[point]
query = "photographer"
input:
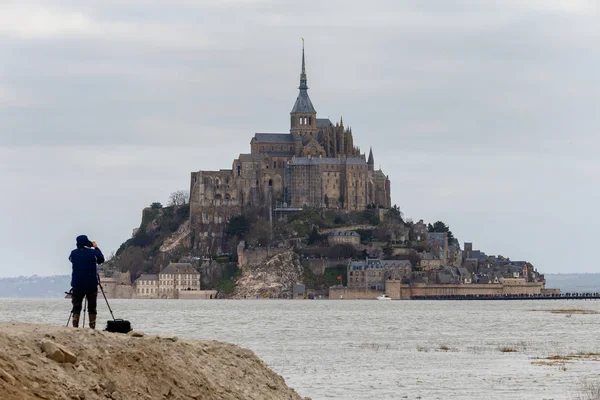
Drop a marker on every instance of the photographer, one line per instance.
(84, 279)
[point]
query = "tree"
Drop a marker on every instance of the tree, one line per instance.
(394, 214)
(439, 226)
(237, 226)
(326, 200)
(156, 205)
(179, 198)
(315, 237)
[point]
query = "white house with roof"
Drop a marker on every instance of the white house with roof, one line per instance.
(146, 286)
(177, 277)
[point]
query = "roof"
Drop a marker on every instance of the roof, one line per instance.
(376, 264)
(178, 268)
(326, 161)
(323, 123)
(251, 157)
(273, 138)
(463, 271)
(303, 103)
(343, 233)
(147, 277)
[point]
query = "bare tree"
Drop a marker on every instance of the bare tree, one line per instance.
(179, 198)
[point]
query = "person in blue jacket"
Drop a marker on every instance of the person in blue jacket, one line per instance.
(84, 279)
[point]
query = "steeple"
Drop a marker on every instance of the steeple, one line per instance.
(303, 83)
(303, 114)
(371, 161)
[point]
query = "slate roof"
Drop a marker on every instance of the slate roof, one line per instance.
(376, 264)
(326, 161)
(343, 233)
(147, 277)
(303, 103)
(251, 157)
(323, 123)
(273, 138)
(178, 268)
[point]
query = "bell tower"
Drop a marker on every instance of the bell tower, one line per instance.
(303, 115)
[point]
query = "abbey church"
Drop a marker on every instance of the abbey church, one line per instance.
(315, 164)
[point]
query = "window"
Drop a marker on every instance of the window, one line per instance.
(270, 182)
(274, 164)
(310, 121)
(239, 169)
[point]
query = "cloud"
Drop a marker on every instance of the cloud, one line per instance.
(35, 21)
(482, 113)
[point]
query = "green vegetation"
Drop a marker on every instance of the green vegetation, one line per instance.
(227, 286)
(439, 226)
(328, 279)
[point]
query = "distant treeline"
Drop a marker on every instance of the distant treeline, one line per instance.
(35, 286)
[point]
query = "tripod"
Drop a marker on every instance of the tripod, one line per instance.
(105, 299)
(85, 304)
(84, 309)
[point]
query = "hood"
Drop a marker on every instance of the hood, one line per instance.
(83, 241)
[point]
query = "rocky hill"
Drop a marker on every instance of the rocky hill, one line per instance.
(47, 362)
(274, 277)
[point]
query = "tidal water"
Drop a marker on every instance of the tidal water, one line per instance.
(379, 350)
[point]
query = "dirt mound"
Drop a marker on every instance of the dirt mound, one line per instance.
(48, 362)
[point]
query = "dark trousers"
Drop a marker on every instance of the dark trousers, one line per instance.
(90, 295)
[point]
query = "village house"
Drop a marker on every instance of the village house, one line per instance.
(372, 273)
(343, 237)
(146, 286)
(177, 277)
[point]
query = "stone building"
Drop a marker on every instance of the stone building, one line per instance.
(315, 164)
(146, 286)
(343, 237)
(371, 274)
(175, 278)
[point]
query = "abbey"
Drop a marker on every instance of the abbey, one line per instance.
(316, 164)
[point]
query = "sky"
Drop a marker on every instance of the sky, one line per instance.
(484, 114)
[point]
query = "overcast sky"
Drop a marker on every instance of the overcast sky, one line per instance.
(483, 113)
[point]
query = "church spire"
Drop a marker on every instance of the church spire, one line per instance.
(371, 161)
(303, 83)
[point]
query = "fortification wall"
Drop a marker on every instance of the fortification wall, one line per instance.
(344, 293)
(318, 265)
(396, 290)
(197, 294)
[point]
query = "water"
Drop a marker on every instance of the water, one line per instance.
(351, 350)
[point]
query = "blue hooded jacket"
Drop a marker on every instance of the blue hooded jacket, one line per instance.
(84, 259)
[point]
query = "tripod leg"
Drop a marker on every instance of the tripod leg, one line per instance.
(105, 299)
(69, 320)
(84, 309)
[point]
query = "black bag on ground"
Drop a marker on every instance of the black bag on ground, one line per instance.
(118, 326)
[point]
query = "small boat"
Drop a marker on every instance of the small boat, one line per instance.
(383, 297)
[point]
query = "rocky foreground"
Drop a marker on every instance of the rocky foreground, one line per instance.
(48, 362)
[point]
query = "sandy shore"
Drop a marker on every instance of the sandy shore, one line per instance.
(50, 362)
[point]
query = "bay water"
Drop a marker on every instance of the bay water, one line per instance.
(351, 350)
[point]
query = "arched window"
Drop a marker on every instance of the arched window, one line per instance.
(270, 182)
(274, 164)
(239, 169)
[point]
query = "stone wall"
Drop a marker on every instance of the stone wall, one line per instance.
(117, 286)
(343, 293)
(396, 290)
(257, 255)
(197, 294)
(319, 265)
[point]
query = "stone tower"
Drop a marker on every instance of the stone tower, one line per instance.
(303, 115)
